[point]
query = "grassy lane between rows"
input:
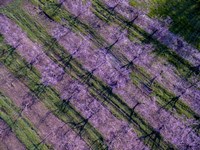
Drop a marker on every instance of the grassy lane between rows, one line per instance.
(28, 75)
(165, 98)
(20, 126)
(138, 74)
(97, 88)
(184, 68)
(163, 95)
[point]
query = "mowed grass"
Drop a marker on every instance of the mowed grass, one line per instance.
(59, 55)
(166, 99)
(21, 126)
(183, 67)
(66, 112)
(159, 91)
(185, 16)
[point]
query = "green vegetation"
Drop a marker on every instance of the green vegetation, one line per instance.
(165, 98)
(20, 125)
(97, 88)
(184, 14)
(184, 68)
(30, 77)
(64, 17)
(50, 97)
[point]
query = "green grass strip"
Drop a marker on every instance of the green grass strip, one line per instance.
(142, 80)
(21, 126)
(183, 67)
(183, 13)
(50, 97)
(97, 88)
(181, 107)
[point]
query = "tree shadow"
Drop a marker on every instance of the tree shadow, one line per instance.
(154, 136)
